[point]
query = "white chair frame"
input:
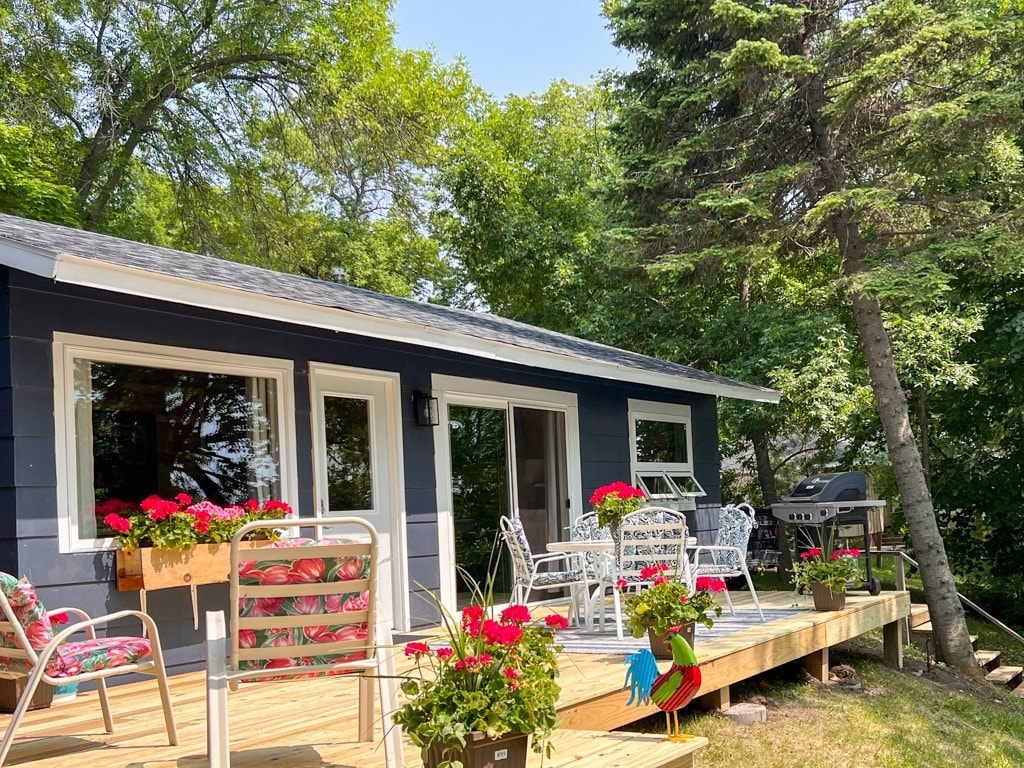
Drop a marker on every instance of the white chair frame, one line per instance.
(728, 559)
(527, 575)
(223, 652)
(39, 660)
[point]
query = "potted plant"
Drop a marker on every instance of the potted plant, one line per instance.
(826, 577)
(614, 501)
(174, 542)
(667, 604)
(490, 687)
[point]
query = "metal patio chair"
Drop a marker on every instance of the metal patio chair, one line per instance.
(650, 536)
(302, 607)
(728, 555)
(527, 572)
(29, 645)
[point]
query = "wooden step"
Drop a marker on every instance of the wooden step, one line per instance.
(1007, 675)
(926, 629)
(988, 659)
(918, 615)
(1018, 691)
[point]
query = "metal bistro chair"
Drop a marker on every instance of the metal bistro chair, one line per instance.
(650, 536)
(528, 576)
(301, 608)
(29, 645)
(728, 555)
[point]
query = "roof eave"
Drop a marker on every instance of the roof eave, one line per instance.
(76, 270)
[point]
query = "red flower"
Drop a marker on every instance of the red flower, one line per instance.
(710, 584)
(417, 649)
(471, 617)
(510, 673)
(184, 499)
(814, 552)
(649, 572)
(516, 614)
(555, 621)
(445, 653)
(617, 489)
(351, 569)
(117, 523)
(58, 618)
(621, 584)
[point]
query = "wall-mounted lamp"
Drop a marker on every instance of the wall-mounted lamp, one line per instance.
(426, 409)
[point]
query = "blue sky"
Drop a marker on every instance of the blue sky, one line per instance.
(513, 46)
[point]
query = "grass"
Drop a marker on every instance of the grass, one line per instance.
(913, 718)
(989, 635)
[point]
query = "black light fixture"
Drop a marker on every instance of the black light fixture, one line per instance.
(426, 409)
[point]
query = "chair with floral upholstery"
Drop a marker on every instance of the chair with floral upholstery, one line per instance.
(29, 645)
(303, 608)
(528, 569)
(728, 555)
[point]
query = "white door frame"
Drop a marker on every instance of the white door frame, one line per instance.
(326, 379)
(493, 394)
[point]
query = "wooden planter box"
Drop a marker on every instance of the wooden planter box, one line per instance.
(12, 686)
(148, 568)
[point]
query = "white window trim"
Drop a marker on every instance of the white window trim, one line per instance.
(464, 391)
(647, 410)
(67, 347)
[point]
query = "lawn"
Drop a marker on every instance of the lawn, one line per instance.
(913, 718)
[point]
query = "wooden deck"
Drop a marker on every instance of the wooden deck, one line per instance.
(312, 723)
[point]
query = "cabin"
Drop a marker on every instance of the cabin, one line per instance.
(129, 369)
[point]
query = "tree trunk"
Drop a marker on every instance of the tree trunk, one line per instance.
(921, 401)
(770, 494)
(944, 608)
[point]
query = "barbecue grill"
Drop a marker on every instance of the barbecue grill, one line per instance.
(835, 500)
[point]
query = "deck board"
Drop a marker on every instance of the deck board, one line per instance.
(312, 723)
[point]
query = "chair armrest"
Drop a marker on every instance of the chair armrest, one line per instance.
(88, 625)
(552, 557)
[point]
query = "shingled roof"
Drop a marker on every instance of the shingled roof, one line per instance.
(85, 258)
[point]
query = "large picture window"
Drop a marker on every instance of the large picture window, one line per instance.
(139, 420)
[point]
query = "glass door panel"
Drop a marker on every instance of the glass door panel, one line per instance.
(478, 439)
(349, 458)
(540, 469)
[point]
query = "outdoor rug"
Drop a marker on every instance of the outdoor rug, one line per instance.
(582, 641)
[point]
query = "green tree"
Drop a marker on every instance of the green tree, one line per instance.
(519, 214)
(878, 132)
(28, 186)
(293, 135)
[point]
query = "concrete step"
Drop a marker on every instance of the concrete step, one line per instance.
(988, 659)
(1007, 675)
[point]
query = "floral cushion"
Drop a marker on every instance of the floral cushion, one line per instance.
(93, 655)
(69, 658)
(32, 616)
(305, 571)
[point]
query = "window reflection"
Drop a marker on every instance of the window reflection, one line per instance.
(143, 430)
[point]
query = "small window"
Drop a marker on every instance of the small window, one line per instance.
(137, 424)
(662, 451)
(661, 442)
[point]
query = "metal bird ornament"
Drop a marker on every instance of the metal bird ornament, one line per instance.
(671, 690)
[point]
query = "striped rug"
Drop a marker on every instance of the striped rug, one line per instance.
(583, 641)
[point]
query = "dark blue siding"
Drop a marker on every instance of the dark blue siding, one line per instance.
(33, 309)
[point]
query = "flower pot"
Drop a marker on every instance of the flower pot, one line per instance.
(151, 568)
(67, 692)
(659, 643)
(827, 600)
(508, 751)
